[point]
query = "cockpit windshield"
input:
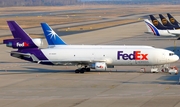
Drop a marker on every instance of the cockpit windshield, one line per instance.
(171, 54)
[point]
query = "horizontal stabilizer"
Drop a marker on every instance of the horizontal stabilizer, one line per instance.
(27, 55)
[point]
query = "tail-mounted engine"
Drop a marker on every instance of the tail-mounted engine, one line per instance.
(18, 43)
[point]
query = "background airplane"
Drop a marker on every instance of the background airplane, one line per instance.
(158, 25)
(51, 40)
(96, 57)
(166, 23)
(173, 20)
(165, 33)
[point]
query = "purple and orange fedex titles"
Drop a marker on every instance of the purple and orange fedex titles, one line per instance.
(136, 55)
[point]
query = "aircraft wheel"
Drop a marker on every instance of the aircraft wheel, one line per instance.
(82, 70)
(77, 71)
(88, 69)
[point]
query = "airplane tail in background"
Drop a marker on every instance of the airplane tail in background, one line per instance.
(164, 21)
(28, 49)
(21, 38)
(172, 19)
(51, 37)
(157, 23)
(151, 28)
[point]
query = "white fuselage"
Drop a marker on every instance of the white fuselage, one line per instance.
(169, 32)
(111, 55)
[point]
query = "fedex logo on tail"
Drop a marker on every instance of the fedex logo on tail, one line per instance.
(24, 44)
(136, 55)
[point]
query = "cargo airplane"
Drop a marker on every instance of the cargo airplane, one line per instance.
(98, 57)
(158, 25)
(173, 20)
(55, 43)
(166, 23)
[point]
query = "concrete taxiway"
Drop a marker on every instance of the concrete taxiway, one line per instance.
(32, 85)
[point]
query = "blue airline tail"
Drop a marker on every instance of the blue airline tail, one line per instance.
(51, 37)
(158, 24)
(165, 22)
(172, 20)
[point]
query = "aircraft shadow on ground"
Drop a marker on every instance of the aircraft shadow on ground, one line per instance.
(46, 70)
(154, 82)
(170, 80)
(166, 79)
(38, 70)
(157, 38)
(13, 62)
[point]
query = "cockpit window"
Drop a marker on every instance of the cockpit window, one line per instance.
(171, 54)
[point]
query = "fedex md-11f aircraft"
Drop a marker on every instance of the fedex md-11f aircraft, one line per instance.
(98, 57)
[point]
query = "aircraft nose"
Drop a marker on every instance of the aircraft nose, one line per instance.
(176, 58)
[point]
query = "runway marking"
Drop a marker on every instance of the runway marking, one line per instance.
(124, 94)
(169, 93)
(147, 94)
(78, 96)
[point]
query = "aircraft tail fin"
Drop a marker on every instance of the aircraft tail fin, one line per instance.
(164, 21)
(151, 28)
(21, 38)
(172, 19)
(51, 37)
(156, 23)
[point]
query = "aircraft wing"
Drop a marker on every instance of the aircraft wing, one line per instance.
(174, 32)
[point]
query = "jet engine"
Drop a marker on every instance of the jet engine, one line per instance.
(99, 66)
(38, 42)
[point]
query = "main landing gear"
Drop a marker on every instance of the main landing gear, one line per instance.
(82, 70)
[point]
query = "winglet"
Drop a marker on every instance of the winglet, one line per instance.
(51, 37)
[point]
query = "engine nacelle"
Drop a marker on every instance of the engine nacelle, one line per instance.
(99, 66)
(18, 43)
(38, 42)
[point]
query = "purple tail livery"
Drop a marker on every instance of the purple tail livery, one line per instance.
(21, 38)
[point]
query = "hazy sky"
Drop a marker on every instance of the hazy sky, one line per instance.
(107, 0)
